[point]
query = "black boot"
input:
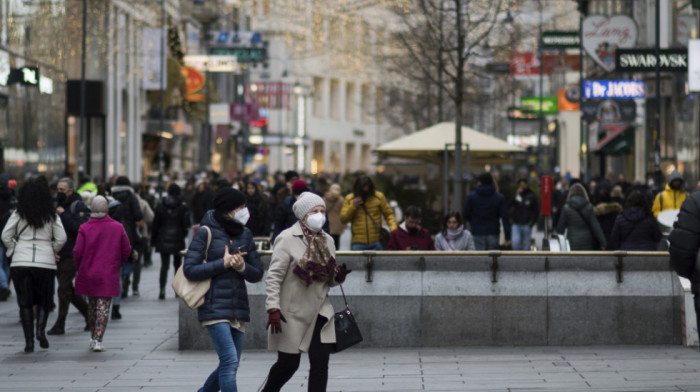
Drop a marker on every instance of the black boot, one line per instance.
(115, 313)
(125, 286)
(58, 327)
(41, 319)
(27, 319)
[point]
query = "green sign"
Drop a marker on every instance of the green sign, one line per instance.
(560, 39)
(549, 104)
(243, 54)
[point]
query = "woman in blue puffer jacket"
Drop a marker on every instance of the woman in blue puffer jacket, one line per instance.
(232, 259)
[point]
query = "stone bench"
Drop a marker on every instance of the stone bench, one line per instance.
(430, 299)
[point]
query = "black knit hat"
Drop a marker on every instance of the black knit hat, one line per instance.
(486, 179)
(174, 190)
(228, 199)
(290, 174)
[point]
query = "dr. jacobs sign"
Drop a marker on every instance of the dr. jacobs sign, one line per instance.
(645, 60)
(614, 89)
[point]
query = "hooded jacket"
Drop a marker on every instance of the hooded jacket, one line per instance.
(259, 222)
(131, 211)
(402, 239)
(607, 213)
(672, 198)
(579, 221)
(684, 240)
(170, 225)
(75, 213)
(484, 210)
(634, 229)
(227, 298)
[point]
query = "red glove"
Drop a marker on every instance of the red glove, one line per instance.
(274, 321)
(341, 272)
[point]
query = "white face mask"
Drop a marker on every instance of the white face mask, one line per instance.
(316, 221)
(241, 216)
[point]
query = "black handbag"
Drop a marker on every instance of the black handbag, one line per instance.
(347, 333)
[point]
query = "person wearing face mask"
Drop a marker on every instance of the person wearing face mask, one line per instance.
(73, 213)
(672, 197)
(300, 316)
(410, 235)
(170, 225)
(232, 260)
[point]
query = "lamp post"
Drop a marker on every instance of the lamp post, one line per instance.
(83, 147)
(161, 143)
(300, 92)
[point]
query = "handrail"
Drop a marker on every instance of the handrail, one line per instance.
(492, 253)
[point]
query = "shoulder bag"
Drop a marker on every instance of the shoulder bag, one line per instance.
(192, 292)
(347, 333)
(384, 234)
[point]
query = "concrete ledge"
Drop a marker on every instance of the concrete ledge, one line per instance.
(414, 299)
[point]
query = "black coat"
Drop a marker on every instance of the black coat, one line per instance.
(284, 216)
(607, 213)
(684, 240)
(259, 222)
(170, 225)
(131, 212)
(525, 208)
(72, 218)
(227, 299)
(634, 229)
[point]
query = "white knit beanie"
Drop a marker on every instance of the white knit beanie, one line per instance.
(305, 203)
(99, 207)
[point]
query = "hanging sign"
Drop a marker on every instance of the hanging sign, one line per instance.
(694, 65)
(601, 89)
(560, 39)
(602, 36)
(644, 60)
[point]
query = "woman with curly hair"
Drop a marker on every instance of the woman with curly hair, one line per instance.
(33, 236)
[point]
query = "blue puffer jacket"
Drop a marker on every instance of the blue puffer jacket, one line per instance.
(484, 209)
(227, 298)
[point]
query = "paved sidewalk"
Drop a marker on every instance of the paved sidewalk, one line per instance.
(142, 355)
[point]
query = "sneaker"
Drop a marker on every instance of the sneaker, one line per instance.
(98, 347)
(136, 293)
(93, 342)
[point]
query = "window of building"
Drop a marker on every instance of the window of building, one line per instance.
(319, 109)
(350, 102)
(335, 99)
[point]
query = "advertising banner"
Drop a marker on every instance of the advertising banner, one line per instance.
(151, 55)
(547, 188)
(603, 35)
(694, 65)
(615, 89)
(549, 104)
(644, 60)
(609, 111)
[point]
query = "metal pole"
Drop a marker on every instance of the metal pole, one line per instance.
(161, 144)
(83, 147)
(541, 92)
(657, 115)
(446, 194)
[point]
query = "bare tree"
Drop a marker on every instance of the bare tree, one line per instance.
(441, 49)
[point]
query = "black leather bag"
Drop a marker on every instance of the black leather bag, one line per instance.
(347, 333)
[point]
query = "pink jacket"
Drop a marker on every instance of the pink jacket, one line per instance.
(101, 248)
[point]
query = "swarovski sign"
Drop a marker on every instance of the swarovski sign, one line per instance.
(645, 60)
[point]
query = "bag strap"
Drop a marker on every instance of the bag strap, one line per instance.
(584, 219)
(344, 299)
(206, 251)
(376, 226)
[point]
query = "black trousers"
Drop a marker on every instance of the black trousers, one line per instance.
(287, 364)
(65, 273)
(34, 286)
(165, 265)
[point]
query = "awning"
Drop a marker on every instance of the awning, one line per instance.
(617, 141)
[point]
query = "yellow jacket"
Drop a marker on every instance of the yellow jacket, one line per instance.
(363, 230)
(672, 199)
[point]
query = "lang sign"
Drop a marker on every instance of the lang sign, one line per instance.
(619, 89)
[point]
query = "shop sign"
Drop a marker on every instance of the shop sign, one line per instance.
(560, 39)
(26, 76)
(603, 35)
(213, 63)
(45, 85)
(549, 104)
(609, 111)
(566, 104)
(694, 65)
(523, 64)
(194, 81)
(522, 114)
(645, 60)
(619, 89)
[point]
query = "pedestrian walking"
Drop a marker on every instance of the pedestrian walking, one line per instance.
(334, 204)
(101, 248)
(606, 211)
(454, 236)
(579, 222)
(672, 197)
(485, 210)
(526, 212)
(170, 225)
(300, 316)
(364, 209)
(259, 222)
(7, 205)
(284, 215)
(231, 260)
(410, 235)
(635, 228)
(131, 214)
(33, 236)
(144, 228)
(73, 213)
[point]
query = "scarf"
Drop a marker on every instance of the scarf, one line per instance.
(232, 228)
(317, 263)
(456, 233)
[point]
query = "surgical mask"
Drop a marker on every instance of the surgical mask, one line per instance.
(316, 221)
(241, 216)
(61, 197)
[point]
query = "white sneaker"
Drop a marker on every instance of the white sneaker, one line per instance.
(98, 347)
(92, 343)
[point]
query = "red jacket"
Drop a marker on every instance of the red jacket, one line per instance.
(401, 239)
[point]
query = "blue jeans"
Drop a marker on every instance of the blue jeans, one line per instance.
(486, 242)
(4, 269)
(373, 246)
(228, 343)
(520, 235)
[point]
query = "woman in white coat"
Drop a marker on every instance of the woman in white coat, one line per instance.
(33, 236)
(302, 270)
